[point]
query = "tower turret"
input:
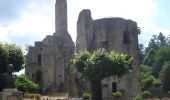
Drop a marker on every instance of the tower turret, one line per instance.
(60, 17)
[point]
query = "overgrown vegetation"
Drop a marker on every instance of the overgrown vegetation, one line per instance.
(87, 96)
(25, 85)
(100, 64)
(154, 64)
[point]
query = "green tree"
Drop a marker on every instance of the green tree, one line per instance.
(155, 43)
(165, 73)
(11, 54)
(161, 56)
(141, 53)
(100, 64)
(25, 85)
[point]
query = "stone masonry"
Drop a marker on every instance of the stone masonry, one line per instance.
(116, 34)
(49, 60)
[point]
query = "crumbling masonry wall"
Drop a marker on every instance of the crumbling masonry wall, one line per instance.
(116, 34)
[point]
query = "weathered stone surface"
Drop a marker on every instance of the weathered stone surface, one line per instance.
(11, 94)
(112, 34)
(49, 60)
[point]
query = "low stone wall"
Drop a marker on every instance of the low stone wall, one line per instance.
(75, 99)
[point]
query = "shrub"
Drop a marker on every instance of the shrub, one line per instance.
(26, 95)
(156, 83)
(37, 96)
(117, 94)
(146, 93)
(32, 96)
(138, 97)
(87, 96)
(147, 81)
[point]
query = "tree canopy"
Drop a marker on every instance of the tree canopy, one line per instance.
(11, 54)
(100, 64)
(161, 56)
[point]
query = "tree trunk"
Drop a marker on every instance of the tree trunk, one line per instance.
(96, 89)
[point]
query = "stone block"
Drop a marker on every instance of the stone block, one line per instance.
(11, 94)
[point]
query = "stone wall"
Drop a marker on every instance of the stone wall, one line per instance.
(116, 34)
(49, 60)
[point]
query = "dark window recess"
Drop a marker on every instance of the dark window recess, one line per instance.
(126, 37)
(39, 60)
(130, 67)
(59, 75)
(114, 87)
(33, 76)
(38, 76)
(105, 85)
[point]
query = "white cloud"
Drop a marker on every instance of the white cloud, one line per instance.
(36, 22)
(37, 19)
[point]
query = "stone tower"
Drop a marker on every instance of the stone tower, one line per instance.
(60, 17)
(49, 60)
(116, 34)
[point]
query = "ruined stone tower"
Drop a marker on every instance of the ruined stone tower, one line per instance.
(49, 60)
(116, 34)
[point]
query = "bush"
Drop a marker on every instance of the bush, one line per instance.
(37, 96)
(156, 83)
(87, 96)
(25, 85)
(147, 81)
(32, 96)
(146, 93)
(138, 97)
(117, 94)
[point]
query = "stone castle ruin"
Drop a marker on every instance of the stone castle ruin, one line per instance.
(116, 34)
(49, 60)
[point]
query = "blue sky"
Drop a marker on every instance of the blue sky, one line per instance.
(25, 21)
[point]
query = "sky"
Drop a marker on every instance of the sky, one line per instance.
(25, 21)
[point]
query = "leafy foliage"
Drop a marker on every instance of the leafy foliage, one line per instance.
(117, 94)
(10, 54)
(155, 43)
(103, 63)
(146, 93)
(165, 73)
(138, 97)
(100, 64)
(25, 85)
(162, 56)
(147, 81)
(87, 96)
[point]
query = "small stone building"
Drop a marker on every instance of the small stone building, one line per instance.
(116, 34)
(48, 60)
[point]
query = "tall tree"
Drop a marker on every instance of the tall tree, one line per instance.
(154, 44)
(141, 53)
(162, 56)
(10, 54)
(100, 64)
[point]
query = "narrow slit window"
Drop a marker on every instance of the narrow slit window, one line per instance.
(39, 60)
(126, 37)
